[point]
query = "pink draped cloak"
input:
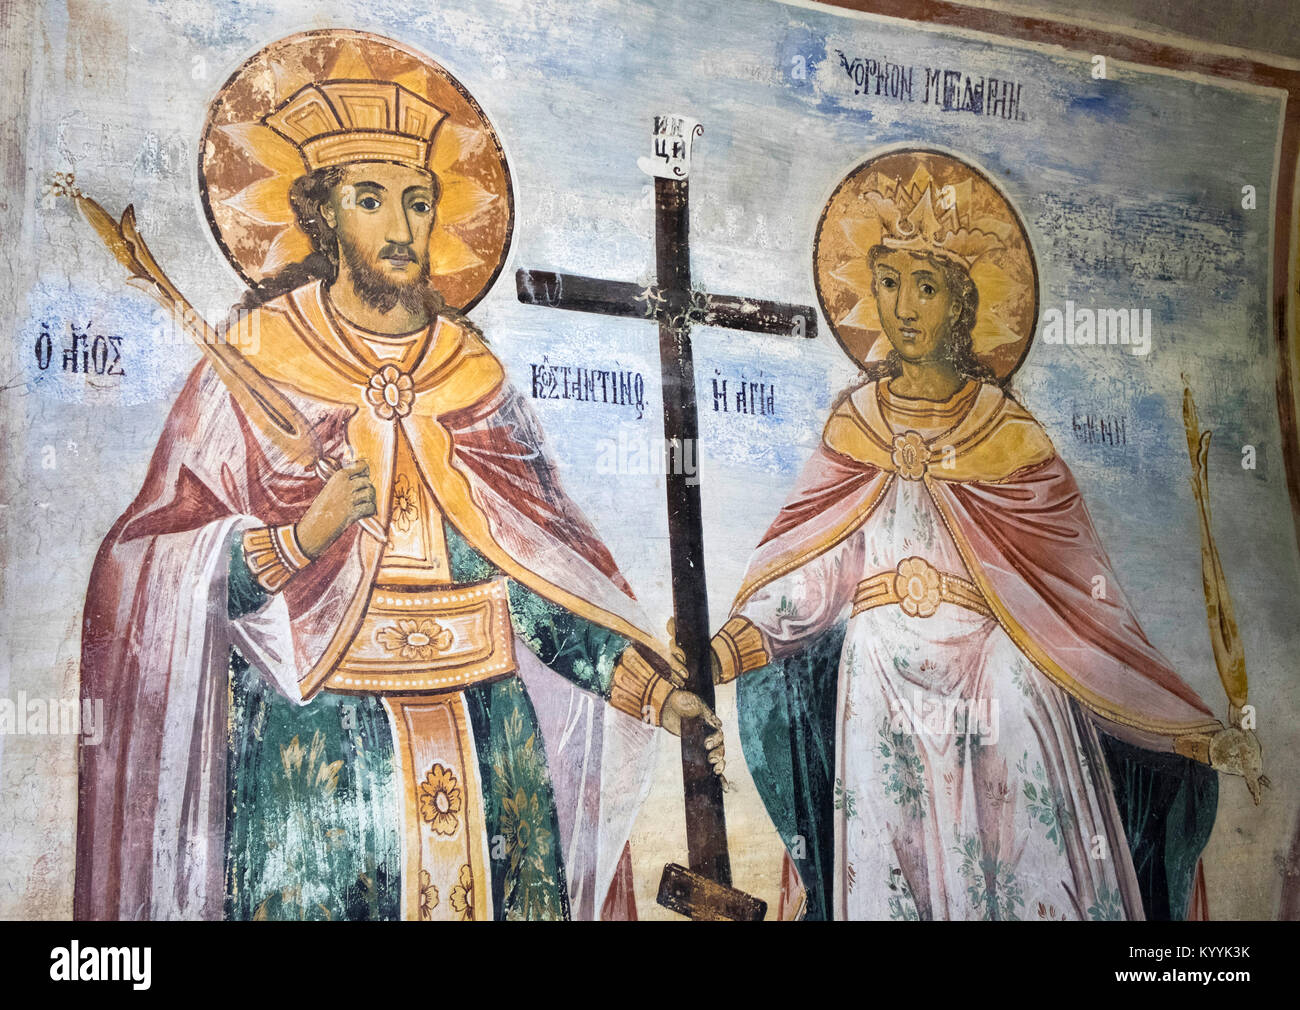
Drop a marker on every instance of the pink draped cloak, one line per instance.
(157, 637)
(1031, 540)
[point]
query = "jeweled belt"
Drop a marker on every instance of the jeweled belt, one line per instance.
(918, 587)
(429, 639)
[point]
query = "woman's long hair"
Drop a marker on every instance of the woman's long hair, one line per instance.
(958, 346)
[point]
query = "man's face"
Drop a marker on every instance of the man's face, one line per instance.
(382, 215)
(915, 305)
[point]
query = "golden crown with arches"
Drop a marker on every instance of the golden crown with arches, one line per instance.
(342, 121)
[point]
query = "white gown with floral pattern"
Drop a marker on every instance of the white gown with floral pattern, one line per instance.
(967, 785)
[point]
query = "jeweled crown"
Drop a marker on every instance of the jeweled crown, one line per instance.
(919, 218)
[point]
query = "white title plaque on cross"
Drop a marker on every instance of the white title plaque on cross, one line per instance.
(670, 142)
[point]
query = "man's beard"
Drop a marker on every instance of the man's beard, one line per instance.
(379, 291)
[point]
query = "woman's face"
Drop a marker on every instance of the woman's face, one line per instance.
(916, 306)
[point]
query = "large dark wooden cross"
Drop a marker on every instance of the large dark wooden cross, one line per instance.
(676, 307)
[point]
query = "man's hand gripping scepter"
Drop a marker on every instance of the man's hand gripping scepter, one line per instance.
(268, 409)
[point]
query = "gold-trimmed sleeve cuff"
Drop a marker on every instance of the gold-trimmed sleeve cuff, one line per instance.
(273, 555)
(638, 689)
(739, 647)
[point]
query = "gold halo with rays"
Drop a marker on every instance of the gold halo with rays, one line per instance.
(246, 168)
(941, 199)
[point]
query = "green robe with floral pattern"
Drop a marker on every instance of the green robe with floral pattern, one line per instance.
(313, 822)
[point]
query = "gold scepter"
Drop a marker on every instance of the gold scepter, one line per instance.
(264, 405)
(1225, 640)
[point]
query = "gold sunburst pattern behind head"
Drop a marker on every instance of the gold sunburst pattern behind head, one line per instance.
(336, 96)
(932, 204)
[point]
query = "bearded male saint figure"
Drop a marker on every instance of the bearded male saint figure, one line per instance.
(307, 722)
(947, 719)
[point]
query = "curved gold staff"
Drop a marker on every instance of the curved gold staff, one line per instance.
(1225, 640)
(269, 409)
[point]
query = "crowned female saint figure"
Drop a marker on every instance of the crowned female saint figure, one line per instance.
(946, 700)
